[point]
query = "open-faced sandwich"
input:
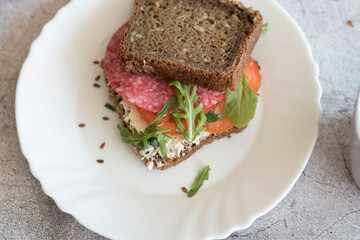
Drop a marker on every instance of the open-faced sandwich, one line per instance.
(180, 76)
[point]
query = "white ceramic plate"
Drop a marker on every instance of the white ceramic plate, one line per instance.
(121, 199)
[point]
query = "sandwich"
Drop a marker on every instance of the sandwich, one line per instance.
(180, 75)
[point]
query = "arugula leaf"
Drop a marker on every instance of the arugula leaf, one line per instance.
(264, 28)
(166, 109)
(240, 106)
(212, 117)
(162, 142)
(151, 135)
(140, 139)
(202, 175)
(186, 98)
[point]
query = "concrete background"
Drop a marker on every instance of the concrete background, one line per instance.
(324, 203)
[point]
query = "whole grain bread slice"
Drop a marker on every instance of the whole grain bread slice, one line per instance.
(170, 162)
(201, 42)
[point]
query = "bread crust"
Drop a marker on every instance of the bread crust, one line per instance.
(170, 162)
(173, 162)
(219, 81)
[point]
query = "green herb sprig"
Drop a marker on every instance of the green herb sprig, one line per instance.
(152, 135)
(202, 175)
(110, 107)
(240, 105)
(184, 108)
(264, 29)
(212, 117)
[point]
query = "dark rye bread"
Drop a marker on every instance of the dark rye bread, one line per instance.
(201, 42)
(170, 162)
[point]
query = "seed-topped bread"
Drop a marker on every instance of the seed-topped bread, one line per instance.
(201, 42)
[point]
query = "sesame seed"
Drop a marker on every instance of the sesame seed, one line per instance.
(199, 28)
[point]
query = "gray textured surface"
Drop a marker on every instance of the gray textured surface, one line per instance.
(324, 203)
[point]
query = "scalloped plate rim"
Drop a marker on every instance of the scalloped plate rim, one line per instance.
(251, 218)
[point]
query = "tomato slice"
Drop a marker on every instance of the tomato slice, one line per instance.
(206, 110)
(168, 121)
(170, 124)
(223, 124)
(253, 77)
(252, 74)
(146, 115)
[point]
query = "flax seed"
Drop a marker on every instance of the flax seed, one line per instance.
(351, 24)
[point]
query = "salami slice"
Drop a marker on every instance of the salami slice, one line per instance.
(148, 93)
